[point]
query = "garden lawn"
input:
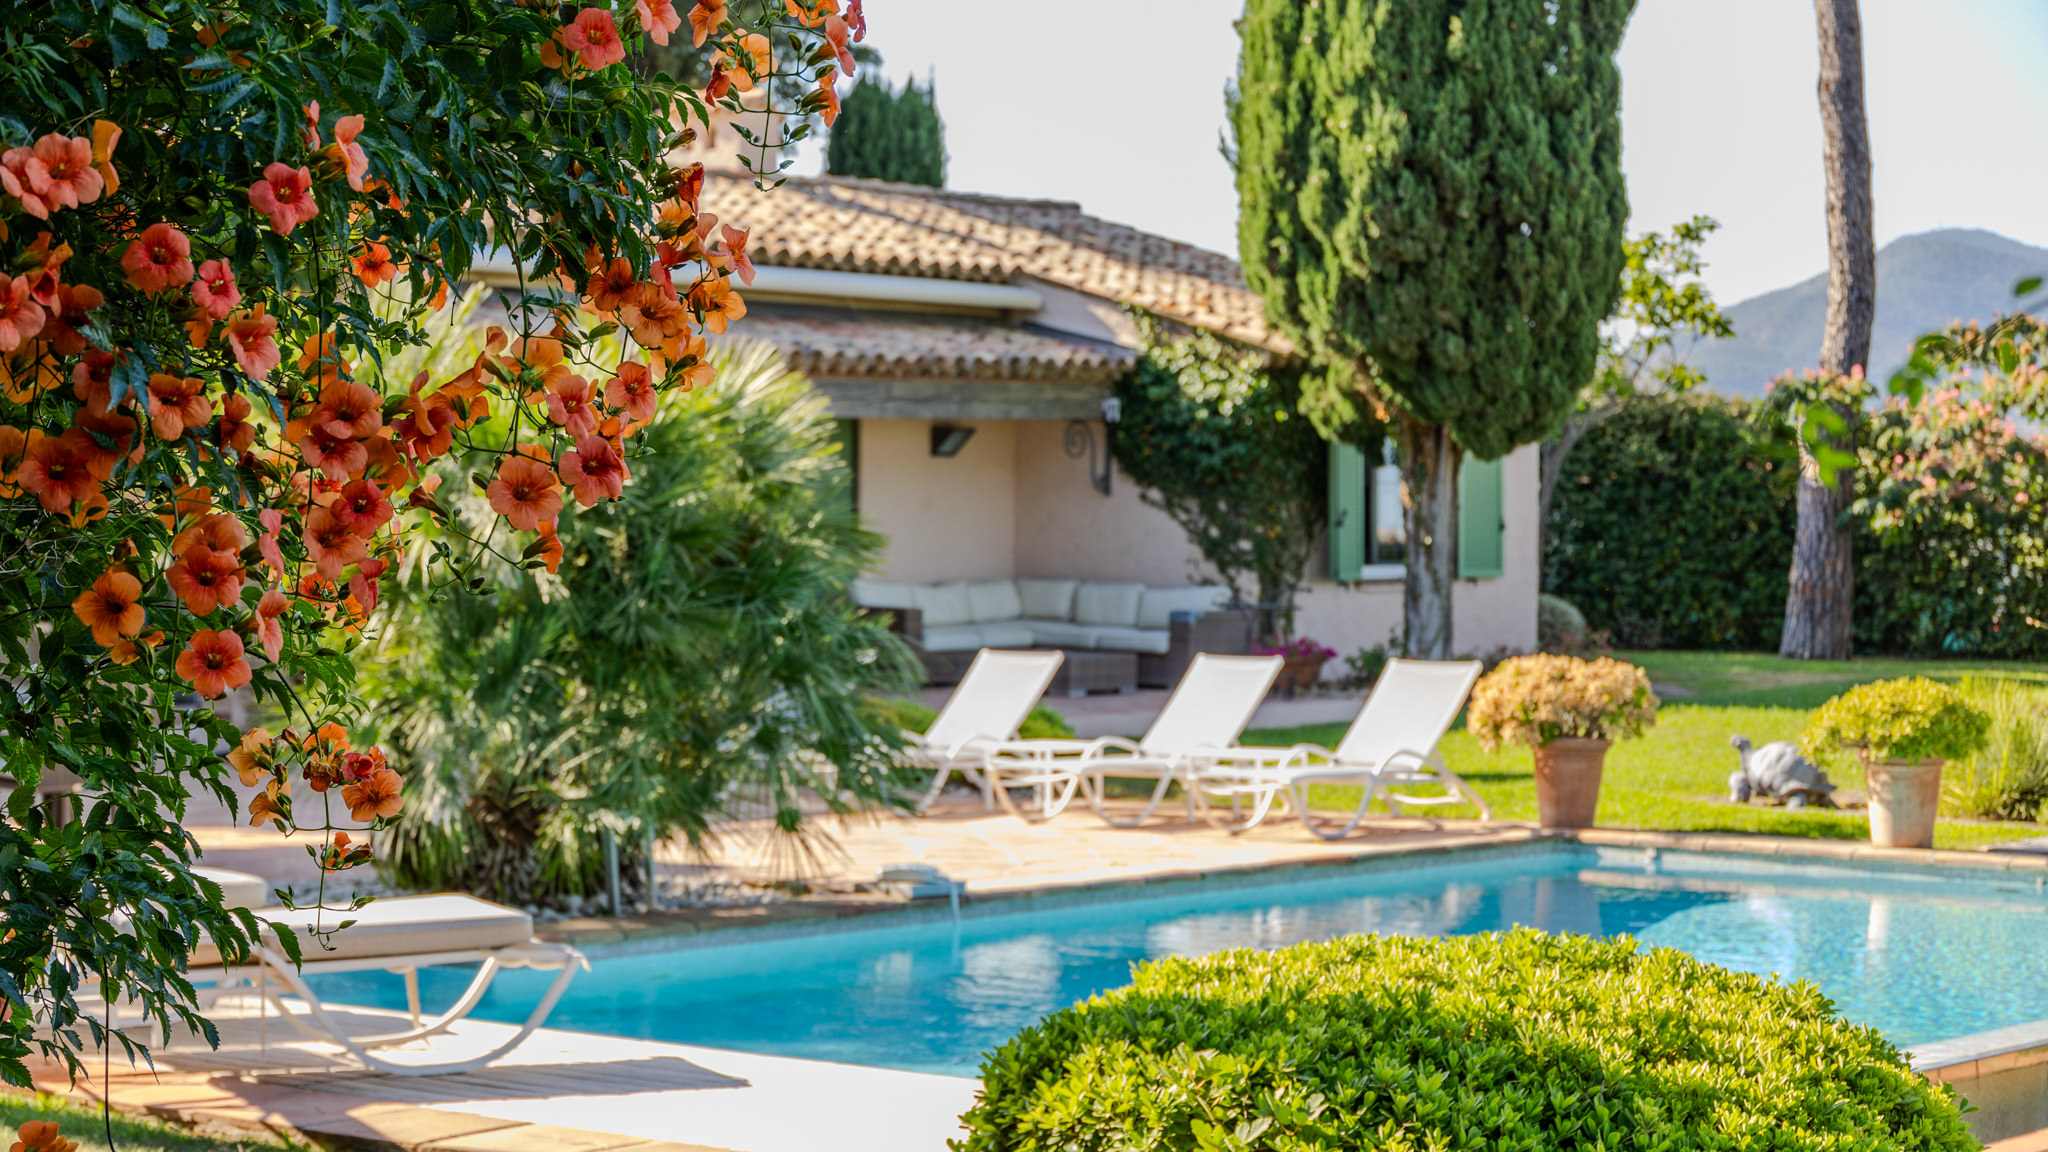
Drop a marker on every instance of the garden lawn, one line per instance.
(1675, 778)
(131, 1134)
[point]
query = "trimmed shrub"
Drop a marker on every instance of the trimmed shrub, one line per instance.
(1517, 1040)
(1558, 622)
(1672, 526)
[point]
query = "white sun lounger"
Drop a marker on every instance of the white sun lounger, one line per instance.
(1203, 718)
(399, 934)
(986, 708)
(1392, 742)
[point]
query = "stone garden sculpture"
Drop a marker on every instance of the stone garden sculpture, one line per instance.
(1778, 773)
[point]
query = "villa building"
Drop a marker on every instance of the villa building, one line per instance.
(970, 343)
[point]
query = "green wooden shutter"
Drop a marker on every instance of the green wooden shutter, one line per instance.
(1348, 520)
(1480, 526)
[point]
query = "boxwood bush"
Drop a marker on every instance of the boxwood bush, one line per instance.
(1515, 1040)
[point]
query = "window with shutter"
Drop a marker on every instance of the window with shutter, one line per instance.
(1481, 549)
(1348, 520)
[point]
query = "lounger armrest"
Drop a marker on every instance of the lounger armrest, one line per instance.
(1261, 759)
(1039, 749)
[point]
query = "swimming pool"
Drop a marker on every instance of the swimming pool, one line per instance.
(1921, 954)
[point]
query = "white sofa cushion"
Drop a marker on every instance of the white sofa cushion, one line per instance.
(1007, 634)
(952, 638)
(994, 600)
(1047, 599)
(1061, 634)
(237, 889)
(1109, 605)
(1154, 640)
(945, 605)
(875, 594)
(1157, 606)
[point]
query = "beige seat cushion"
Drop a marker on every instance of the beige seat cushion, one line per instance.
(398, 926)
(1154, 640)
(237, 889)
(1047, 599)
(994, 601)
(874, 594)
(1108, 605)
(945, 605)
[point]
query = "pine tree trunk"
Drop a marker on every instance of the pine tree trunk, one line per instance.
(1817, 608)
(1429, 470)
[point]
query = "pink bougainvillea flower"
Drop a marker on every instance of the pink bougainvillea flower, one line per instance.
(205, 579)
(658, 18)
(160, 260)
(15, 181)
(373, 265)
(526, 492)
(61, 324)
(213, 662)
(270, 629)
(362, 506)
(594, 37)
(61, 172)
(570, 404)
(252, 337)
(285, 194)
(214, 289)
(112, 607)
(705, 18)
(177, 405)
(105, 135)
(347, 155)
(736, 252)
(374, 798)
(595, 470)
(331, 545)
(632, 391)
(20, 316)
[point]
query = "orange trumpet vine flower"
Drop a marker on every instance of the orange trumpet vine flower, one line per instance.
(111, 607)
(213, 663)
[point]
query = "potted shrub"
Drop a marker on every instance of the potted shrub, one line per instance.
(1903, 731)
(1302, 661)
(1570, 711)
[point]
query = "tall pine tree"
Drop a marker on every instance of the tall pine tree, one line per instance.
(884, 134)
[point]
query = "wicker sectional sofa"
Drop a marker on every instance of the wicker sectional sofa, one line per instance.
(948, 623)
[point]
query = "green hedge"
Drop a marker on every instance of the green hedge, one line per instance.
(1672, 525)
(1502, 1041)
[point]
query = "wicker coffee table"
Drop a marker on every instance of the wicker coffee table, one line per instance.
(1084, 672)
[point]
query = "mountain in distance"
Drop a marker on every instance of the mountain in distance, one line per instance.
(1925, 281)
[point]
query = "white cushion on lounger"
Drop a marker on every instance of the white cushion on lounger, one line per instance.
(1157, 606)
(1155, 640)
(1047, 599)
(994, 600)
(1109, 605)
(398, 926)
(1061, 634)
(954, 638)
(945, 604)
(874, 594)
(237, 889)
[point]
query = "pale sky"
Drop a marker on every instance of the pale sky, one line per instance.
(1123, 112)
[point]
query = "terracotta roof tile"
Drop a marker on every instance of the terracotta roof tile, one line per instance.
(874, 226)
(832, 346)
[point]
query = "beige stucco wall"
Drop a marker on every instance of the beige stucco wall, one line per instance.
(1013, 503)
(947, 518)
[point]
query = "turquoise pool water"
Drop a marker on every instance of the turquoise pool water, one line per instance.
(1922, 956)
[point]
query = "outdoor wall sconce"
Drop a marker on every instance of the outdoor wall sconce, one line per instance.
(949, 439)
(1080, 442)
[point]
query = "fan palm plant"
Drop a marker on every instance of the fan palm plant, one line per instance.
(694, 658)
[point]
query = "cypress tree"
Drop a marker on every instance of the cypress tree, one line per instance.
(888, 135)
(1431, 200)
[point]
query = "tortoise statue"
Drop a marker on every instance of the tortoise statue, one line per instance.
(1778, 773)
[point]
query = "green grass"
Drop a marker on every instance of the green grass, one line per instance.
(131, 1134)
(1675, 778)
(1753, 678)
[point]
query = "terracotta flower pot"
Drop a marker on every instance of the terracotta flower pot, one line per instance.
(1568, 781)
(1904, 798)
(1299, 672)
